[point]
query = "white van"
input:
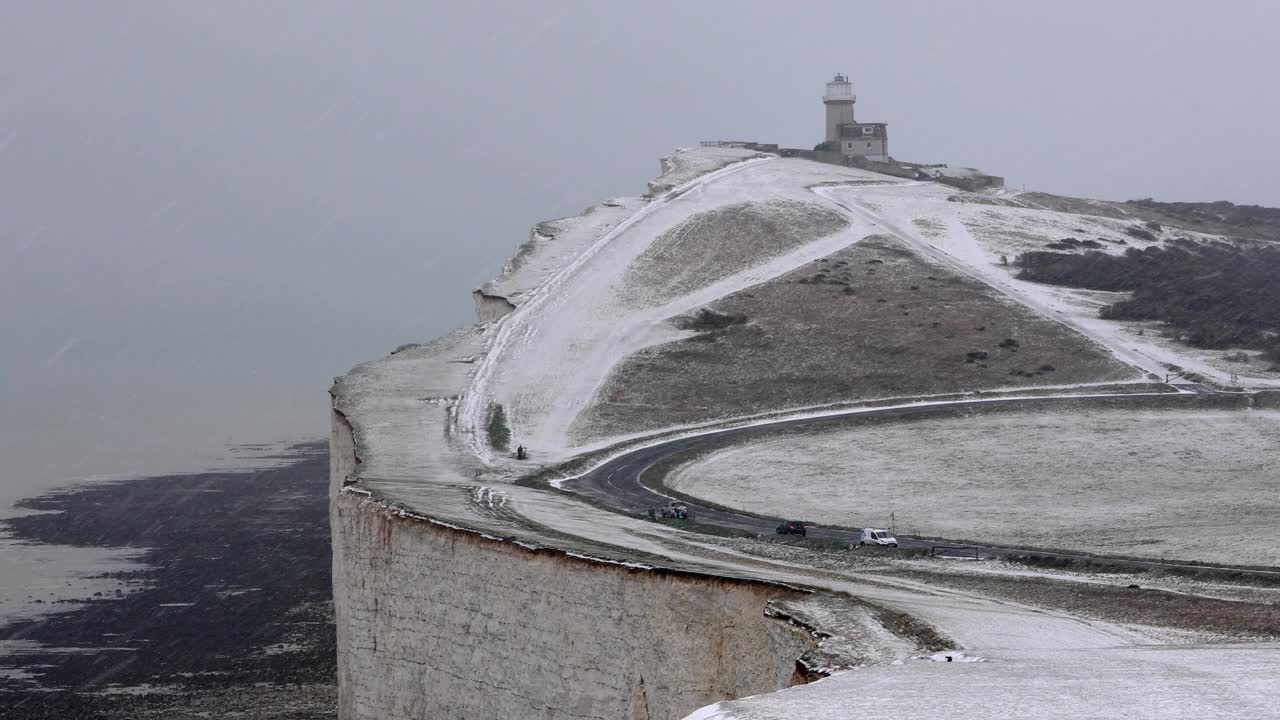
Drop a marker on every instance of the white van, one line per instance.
(877, 536)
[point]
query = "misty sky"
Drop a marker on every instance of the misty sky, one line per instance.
(209, 209)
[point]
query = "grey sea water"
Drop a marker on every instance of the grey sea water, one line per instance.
(207, 211)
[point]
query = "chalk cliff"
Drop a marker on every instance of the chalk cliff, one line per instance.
(441, 622)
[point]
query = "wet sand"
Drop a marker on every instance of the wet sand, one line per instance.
(229, 612)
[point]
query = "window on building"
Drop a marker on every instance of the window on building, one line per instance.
(868, 146)
(868, 131)
(850, 146)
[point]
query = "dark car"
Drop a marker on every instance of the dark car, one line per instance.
(791, 527)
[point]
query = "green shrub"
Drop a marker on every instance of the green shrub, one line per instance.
(499, 432)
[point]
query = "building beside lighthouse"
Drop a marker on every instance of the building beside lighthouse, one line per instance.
(844, 133)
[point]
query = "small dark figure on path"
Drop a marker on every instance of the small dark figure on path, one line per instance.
(520, 453)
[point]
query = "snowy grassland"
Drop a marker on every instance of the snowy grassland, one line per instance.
(400, 409)
(546, 360)
(554, 244)
(1166, 682)
(974, 237)
(719, 243)
(687, 164)
(595, 293)
(875, 320)
(1187, 485)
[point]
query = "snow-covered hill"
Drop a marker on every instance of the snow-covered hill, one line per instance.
(590, 293)
(746, 288)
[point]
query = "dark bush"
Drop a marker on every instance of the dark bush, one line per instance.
(1141, 233)
(1212, 295)
(978, 355)
(709, 320)
(499, 431)
(1261, 219)
(1009, 343)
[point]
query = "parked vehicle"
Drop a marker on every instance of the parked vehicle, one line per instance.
(792, 527)
(877, 536)
(676, 510)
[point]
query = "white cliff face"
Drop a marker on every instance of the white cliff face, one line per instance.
(438, 622)
(490, 307)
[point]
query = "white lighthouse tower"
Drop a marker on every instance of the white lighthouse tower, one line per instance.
(839, 100)
(851, 138)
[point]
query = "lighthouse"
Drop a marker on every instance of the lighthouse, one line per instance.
(839, 100)
(854, 139)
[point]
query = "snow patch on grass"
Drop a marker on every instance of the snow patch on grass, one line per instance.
(1186, 485)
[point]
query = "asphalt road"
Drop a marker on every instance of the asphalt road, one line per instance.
(616, 484)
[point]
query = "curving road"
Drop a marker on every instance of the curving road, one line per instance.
(616, 483)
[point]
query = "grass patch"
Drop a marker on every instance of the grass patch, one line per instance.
(712, 245)
(709, 320)
(1132, 604)
(499, 431)
(911, 628)
(808, 543)
(828, 333)
(1117, 566)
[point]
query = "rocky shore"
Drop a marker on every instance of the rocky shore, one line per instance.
(229, 614)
